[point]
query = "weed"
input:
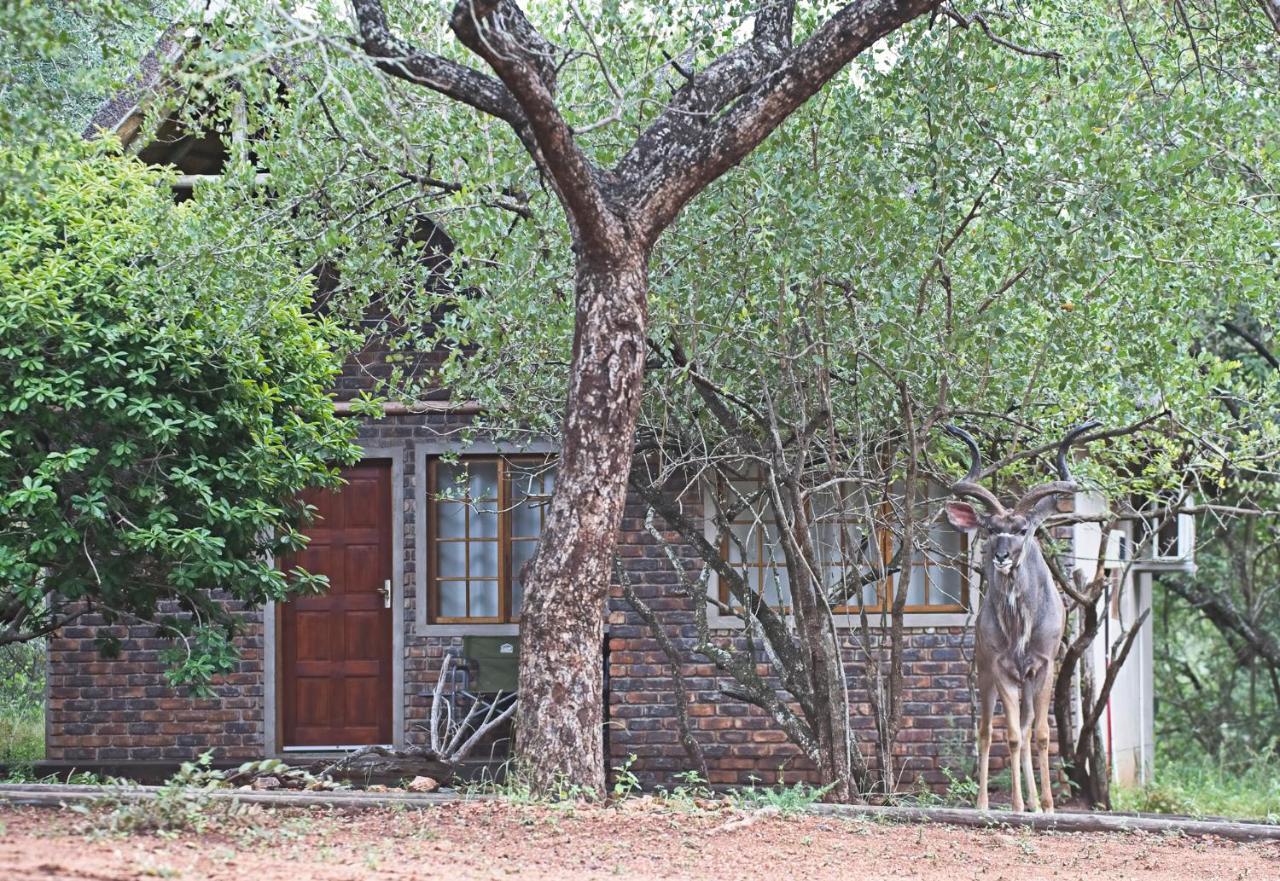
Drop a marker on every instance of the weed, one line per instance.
(785, 799)
(625, 782)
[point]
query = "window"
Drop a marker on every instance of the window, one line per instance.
(754, 547)
(485, 516)
(938, 582)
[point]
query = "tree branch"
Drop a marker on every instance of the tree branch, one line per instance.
(692, 143)
(499, 32)
(401, 59)
(980, 20)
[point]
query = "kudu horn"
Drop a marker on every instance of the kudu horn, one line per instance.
(968, 485)
(1065, 482)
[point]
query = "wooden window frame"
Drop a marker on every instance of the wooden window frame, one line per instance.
(505, 506)
(887, 586)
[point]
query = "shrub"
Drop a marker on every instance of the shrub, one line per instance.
(161, 408)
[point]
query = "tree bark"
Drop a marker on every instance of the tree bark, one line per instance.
(560, 719)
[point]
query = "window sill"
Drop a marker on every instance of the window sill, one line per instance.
(421, 629)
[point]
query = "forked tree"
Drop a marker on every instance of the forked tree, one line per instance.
(615, 215)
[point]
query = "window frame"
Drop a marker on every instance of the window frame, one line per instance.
(505, 577)
(887, 586)
(884, 587)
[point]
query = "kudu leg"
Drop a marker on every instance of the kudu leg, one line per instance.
(1030, 694)
(1042, 742)
(987, 698)
(1011, 697)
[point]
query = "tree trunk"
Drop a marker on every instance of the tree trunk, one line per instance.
(559, 734)
(820, 645)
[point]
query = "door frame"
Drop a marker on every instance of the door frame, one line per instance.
(272, 668)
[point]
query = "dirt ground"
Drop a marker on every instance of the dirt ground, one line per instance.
(492, 840)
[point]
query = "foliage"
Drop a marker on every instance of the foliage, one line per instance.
(22, 682)
(182, 804)
(1214, 694)
(1242, 786)
(161, 411)
(786, 799)
(59, 61)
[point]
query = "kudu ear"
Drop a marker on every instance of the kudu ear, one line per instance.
(962, 516)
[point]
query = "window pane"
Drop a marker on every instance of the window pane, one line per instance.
(484, 480)
(451, 559)
(484, 559)
(451, 480)
(777, 587)
(453, 599)
(484, 599)
(871, 595)
(948, 542)
(526, 518)
(521, 553)
(916, 594)
(947, 584)
(484, 520)
(451, 519)
(745, 544)
(517, 598)
(532, 480)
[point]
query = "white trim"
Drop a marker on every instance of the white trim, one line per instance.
(270, 692)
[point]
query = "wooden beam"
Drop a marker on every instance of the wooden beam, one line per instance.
(189, 181)
(398, 408)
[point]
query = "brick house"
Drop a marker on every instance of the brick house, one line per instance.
(415, 573)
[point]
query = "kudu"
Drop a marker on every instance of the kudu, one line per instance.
(1020, 621)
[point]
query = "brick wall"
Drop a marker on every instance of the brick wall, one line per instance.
(107, 710)
(104, 710)
(740, 743)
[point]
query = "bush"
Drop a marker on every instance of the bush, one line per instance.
(162, 407)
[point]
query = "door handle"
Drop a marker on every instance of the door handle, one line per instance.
(385, 590)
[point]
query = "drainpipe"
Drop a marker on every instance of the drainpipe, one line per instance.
(1106, 668)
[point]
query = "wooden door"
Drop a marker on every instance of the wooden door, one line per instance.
(335, 650)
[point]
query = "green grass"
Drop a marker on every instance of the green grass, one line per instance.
(22, 705)
(21, 738)
(1208, 787)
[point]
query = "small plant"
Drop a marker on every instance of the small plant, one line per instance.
(625, 782)
(961, 789)
(785, 799)
(689, 791)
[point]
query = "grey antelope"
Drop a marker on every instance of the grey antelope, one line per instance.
(1020, 622)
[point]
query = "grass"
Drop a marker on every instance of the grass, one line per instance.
(1207, 787)
(22, 705)
(21, 737)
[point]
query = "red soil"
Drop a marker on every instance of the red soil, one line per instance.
(645, 839)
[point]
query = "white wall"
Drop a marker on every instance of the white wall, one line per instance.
(1128, 724)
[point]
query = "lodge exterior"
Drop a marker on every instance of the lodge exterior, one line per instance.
(412, 582)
